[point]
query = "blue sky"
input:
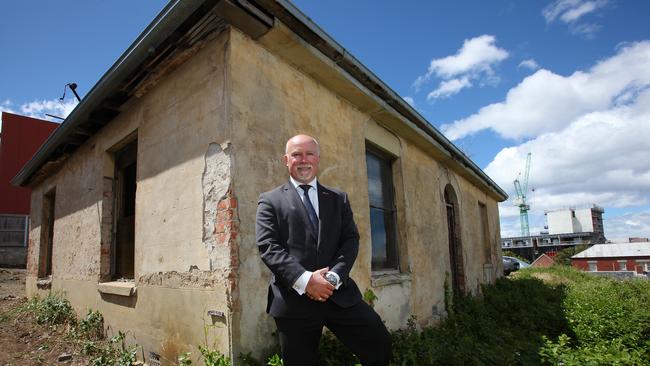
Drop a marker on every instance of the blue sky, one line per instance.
(567, 80)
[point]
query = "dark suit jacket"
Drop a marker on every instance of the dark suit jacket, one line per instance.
(289, 246)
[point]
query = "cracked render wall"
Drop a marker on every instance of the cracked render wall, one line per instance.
(210, 139)
(275, 101)
(185, 221)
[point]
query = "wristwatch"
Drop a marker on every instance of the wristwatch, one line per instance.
(331, 278)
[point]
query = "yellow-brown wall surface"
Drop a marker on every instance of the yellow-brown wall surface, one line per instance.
(211, 136)
(274, 99)
(181, 127)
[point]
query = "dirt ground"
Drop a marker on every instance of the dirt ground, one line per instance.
(22, 341)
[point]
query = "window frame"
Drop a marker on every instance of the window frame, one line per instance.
(124, 206)
(24, 230)
(592, 266)
(391, 262)
(485, 232)
(48, 220)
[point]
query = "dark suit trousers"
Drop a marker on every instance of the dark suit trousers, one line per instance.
(358, 327)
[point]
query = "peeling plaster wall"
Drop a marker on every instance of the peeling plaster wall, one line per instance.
(181, 270)
(216, 184)
(210, 139)
(272, 101)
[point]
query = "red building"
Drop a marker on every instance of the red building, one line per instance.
(20, 138)
(614, 258)
(543, 261)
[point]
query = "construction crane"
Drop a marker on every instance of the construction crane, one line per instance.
(520, 200)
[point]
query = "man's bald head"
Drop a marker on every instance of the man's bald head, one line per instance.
(300, 139)
(302, 155)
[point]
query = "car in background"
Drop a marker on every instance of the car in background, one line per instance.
(522, 264)
(510, 265)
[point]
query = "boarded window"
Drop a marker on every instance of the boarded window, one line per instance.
(125, 191)
(381, 195)
(13, 230)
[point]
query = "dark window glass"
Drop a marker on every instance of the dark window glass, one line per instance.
(382, 210)
(13, 231)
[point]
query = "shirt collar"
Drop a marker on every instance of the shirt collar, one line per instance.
(297, 184)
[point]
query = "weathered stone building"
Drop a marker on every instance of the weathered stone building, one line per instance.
(144, 199)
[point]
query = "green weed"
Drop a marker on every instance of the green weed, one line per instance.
(184, 359)
(275, 360)
(52, 310)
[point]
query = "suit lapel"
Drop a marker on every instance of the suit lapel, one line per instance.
(325, 208)
(295, 201)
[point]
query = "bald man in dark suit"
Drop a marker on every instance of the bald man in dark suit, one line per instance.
(307, 237)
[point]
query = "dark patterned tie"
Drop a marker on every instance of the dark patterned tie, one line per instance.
(313, 218)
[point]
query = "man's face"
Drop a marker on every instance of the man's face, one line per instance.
(302, 158)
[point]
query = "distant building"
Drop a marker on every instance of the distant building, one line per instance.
(638, 240)
(543, 261)
(566, 228)
(614, 257)
(20, 138)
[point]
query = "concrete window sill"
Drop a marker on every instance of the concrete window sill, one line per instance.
(44, 283)
(385, 278)
(117, 288)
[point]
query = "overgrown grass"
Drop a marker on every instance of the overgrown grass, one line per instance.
(556, 316)
(609, 321)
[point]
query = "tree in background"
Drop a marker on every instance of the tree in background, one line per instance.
(563, 257)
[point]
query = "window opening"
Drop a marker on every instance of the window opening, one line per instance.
(455, 246)
(47, 234)
(124, 211)
(383, 227)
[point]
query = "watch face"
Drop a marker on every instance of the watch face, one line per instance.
(331, 279)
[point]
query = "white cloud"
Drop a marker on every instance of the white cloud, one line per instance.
(7, 106)
(571, 12)
(39, 108)
(475, 60)
(628, 225)
(410, 101)
(449, 87)
(586, 30)
(529, 64)
(600, 157)
(588, 135)
(546, 102)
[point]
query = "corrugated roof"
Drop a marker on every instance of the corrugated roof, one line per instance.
(616, 250)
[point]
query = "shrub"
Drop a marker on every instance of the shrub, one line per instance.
(113, 353)
(212, 357)
(609, 321)
(331, 352)
(92, 326)
(52, 310)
